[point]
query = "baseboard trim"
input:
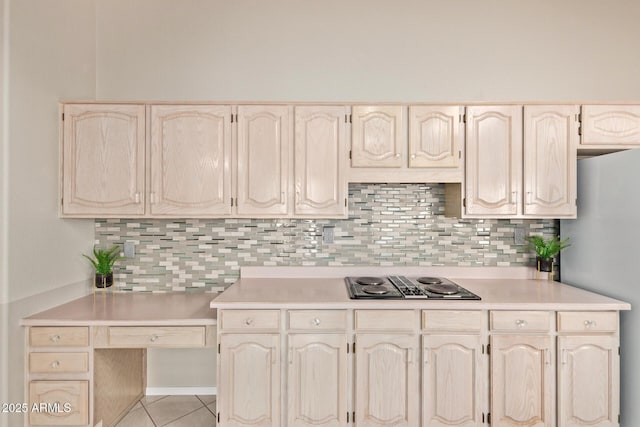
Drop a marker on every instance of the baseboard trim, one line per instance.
(180, 391)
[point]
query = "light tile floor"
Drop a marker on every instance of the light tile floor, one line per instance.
(172, 411)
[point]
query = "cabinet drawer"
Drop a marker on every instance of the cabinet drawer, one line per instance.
(250, 319)
(587, 321)
(318, 319)
(156, 336)
(57, 394)
(539, 321)
(45, 336)
(448, 320)
(385, 319)
(64, 363)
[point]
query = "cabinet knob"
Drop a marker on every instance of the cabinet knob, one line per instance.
(397, 155)
(589, 324)
(521, 323)
(54, 338)
(316, 321)
(248, 321)
(55, 364)
(154, 338)
(413, 156)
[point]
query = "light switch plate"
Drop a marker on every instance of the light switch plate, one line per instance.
(327, 234)
(129, 249)
(519, 236)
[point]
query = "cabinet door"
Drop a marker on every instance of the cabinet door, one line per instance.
(434, 137)
(452, 381)
(263, 159)
(190, 160)
(588, 381)
(494, 160)
(68, 403)
(103, 160)
(320, 154)
(387, 390)
(249, 380)
(550, 159)
(610, 125)
(522, 381)
(378, 136)
(317, 380)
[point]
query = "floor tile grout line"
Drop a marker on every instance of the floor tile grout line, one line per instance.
(149, 415)
(189, 413)
(155, 401)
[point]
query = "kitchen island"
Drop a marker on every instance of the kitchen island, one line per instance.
(297, 351)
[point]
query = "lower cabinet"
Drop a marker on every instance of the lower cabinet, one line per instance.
(452, 379)
(250, 380)
(386, 384)
(59, 403)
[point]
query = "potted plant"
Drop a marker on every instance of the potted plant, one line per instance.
(546, 250)
(102, 261)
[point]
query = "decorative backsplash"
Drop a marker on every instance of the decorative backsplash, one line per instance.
(388, 225)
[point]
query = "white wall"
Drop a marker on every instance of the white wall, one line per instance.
(367, 50)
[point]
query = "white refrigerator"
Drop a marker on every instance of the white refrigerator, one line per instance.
(605, 254)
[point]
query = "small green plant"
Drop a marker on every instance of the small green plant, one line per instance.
(547, 248)
(103, 259)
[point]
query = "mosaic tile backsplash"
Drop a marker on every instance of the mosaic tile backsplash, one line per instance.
(388, 225)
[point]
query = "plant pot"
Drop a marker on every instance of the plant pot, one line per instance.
(103, 280)
(545, 264)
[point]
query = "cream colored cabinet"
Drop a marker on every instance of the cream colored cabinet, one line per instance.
(317, 380)
(522, 380)
(190, 160)
(249, 380)
(435, 138)
(264, 148)
(320, 162)
(378, 136)
(610, 126)
(386, 380)
(103, 164)
(508, 176)
(550, 160)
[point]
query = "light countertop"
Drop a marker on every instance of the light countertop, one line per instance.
(130, 309)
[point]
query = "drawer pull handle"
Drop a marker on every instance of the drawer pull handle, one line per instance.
(316, 321)
(413, 156)
(248, 321)
(55, 364)
(521, 323)
(154, 338)
(55, 338)
(589, 324)
(397, 155)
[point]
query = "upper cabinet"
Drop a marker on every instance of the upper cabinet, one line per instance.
(378, 136)
(510, 176)
(610, 126)
(264, 147)
(190, 160)
(103, 164)
(320, 154)
(434, 137)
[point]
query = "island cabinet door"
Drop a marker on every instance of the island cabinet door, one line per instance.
(588, 381)
(317, 380)
(249, 380)
(387, 389)
(451, 381)
(522, 381)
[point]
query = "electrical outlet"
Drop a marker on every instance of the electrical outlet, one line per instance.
(327, 234)
(129, 249)
(519, 236)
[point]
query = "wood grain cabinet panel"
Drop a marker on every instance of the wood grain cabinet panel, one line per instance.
(250, 381)
(520, 321)
(386, 380)
(550, 160)
(53, 395)
(588, 381)
(156, 336)
(190, 160)
(522, 381)
(317, 380)
(610, 125)
(264, 146)
(249, 319)
(378, 136)
(59, 336)
(58, 363)
(434, 137)
(450, 320)
(587, 321)
(320, 161)
(321, 320)
(103, 160)
(452, 381)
